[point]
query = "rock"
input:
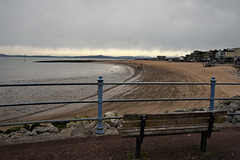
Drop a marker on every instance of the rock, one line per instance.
(237, 117)
(83, 123)
(90, 125)
(52, 129)
(23, 131)
(232, 106)
(111, 114)
(197, 109)
(47, 133)
(180, 110)
(227, 102)
(80, 124)
(112, 122)
(76, 129)
(107, 126)
(73, 125)
(191, 110)
(17, 135)
(40, 130)
(81, 132)
(67, 132)
(33, 133)
(49, 129)
(27, 133)
(34, 126)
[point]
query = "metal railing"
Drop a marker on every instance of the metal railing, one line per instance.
(100, 101)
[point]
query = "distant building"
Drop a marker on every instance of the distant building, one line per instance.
(161, 58)
(220, 56)
(225, 55)
(232, 53)
(201, 56)
(196, 56)
(187, 58)
(181, 58)
(172, 59)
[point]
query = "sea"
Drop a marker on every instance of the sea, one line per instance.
(25, 69)
(20, 70)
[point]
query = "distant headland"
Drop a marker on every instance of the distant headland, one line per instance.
(85, 57)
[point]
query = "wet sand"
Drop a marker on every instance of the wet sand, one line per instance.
(11, 95)
(152, 71)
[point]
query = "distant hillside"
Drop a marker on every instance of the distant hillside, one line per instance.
(86, 57)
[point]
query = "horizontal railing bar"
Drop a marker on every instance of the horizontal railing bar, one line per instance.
(62, 120)
(226, 83)
(227, 98)
(44, 84)
(116, 83)
(162, 99)
(43, 103)
(232, 114)
(48, 121)
(123, 100)
(156, 83)
(120, 100)
(112, 118)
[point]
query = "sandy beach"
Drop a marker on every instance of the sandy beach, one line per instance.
(155, 71)
(152, 71)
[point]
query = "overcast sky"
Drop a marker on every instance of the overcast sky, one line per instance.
(118, 27)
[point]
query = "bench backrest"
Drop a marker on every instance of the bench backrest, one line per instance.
(166, 120)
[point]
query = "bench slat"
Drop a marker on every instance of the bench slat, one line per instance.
(172, 122)
(164, 131)
(172, 115)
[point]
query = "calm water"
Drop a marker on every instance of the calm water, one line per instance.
(17, 69)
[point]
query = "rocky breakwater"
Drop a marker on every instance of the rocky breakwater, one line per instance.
(58, 130)
(231, 106)
(77, 129)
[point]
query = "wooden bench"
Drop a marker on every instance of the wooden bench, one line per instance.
(140, 125)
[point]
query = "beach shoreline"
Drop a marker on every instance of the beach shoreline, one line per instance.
(41, 94)
(153, 71)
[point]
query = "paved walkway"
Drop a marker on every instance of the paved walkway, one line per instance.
(222, 145)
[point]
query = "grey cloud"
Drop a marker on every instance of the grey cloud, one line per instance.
(134, 24)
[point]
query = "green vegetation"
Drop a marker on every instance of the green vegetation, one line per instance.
(131, 155)
(63, 125)
(13, 129)
(33, 126)
(60, 125)
(209, 153)
(80, 116)
(26, 126)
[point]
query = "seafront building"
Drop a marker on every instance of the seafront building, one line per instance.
(225, 55)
